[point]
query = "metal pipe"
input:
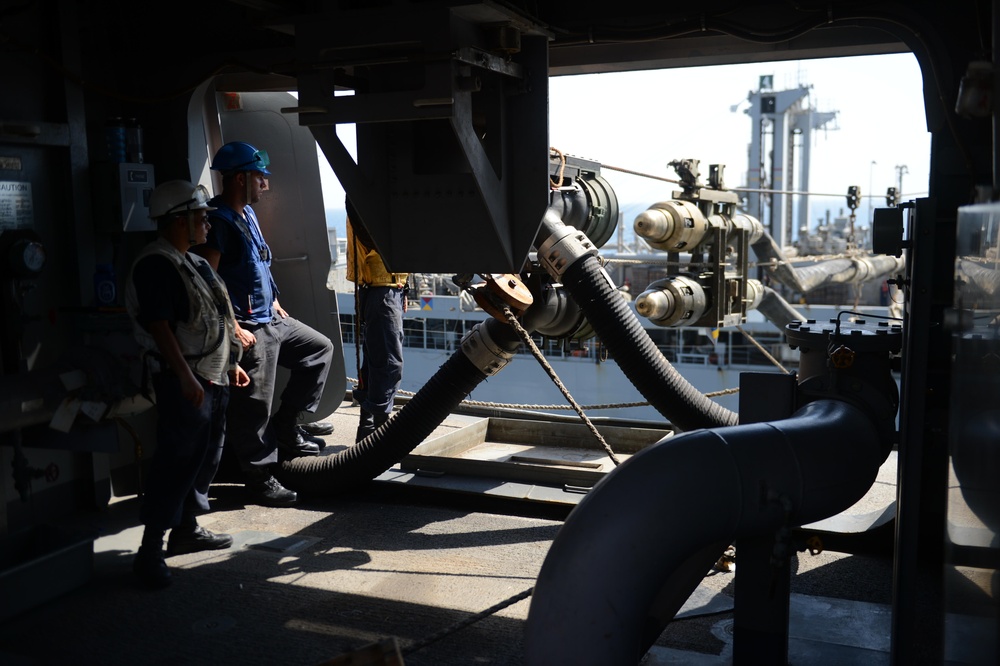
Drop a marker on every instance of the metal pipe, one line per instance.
(833, 271)
(634, 549)
(777, 310)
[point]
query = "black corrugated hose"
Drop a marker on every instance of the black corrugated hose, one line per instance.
(359, 464)
(637, 356)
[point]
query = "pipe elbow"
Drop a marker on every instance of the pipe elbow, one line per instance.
(661, 524)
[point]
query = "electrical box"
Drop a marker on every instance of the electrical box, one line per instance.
(121, 197)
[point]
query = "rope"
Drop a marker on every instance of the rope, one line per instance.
(462, 624)
(762, 350)
(512, 320)
(557, 183)
(609, 405)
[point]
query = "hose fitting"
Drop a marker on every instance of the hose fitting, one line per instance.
(562, 248)
(485, 354)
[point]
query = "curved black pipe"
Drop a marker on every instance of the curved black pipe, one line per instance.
(636, 354)
(634, 549)
(630, 346)
(439, 397)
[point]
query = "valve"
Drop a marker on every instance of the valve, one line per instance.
(850, 361)
(842, 357)
(500, 290)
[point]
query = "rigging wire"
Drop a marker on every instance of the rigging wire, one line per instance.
(763, 351)
(461, 624)
(703, 23)
(526, 337)
(752, 189)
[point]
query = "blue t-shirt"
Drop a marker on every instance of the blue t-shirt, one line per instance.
(245, 261)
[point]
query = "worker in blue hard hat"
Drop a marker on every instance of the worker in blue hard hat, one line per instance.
(236, 248)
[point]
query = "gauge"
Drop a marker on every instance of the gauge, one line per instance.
(27, 257)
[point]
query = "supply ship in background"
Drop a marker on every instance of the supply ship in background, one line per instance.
(838, 276)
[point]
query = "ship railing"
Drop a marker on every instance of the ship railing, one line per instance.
(696, 359)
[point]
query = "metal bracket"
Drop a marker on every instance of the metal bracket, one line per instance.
(451, 122)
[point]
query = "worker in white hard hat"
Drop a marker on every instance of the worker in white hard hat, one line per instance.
(185, 326)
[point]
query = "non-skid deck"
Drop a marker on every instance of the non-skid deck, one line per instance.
(410, 559)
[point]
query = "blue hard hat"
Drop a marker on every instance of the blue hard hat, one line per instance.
(241, 156)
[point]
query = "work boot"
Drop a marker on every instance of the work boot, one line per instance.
(317, 428)
(192, 540)
(366, 426)
(318, 441)
(265, 490)
(288, 436)
(295, 446)
(150, 568)
(369, 423)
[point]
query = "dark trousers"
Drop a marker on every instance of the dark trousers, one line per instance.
(290, 344)
(381, 310)
(188, 450)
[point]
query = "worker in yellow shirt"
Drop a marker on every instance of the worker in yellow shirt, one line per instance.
(380, 301)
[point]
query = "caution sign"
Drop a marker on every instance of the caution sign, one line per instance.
(16, 210)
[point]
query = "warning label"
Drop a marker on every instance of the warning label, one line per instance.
(16, 210)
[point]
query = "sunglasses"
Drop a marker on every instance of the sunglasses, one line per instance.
(259, 160)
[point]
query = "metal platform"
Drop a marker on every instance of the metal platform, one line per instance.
(407, 559)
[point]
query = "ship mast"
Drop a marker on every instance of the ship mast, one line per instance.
(777, 116)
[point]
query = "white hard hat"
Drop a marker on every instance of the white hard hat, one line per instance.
(177, 196)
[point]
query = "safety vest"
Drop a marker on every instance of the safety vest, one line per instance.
(365, 267)
(208, 339)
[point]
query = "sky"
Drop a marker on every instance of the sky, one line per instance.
(642, 120)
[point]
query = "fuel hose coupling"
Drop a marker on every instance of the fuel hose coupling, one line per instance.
(483, 352)
(678, 300)
(562, 248)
